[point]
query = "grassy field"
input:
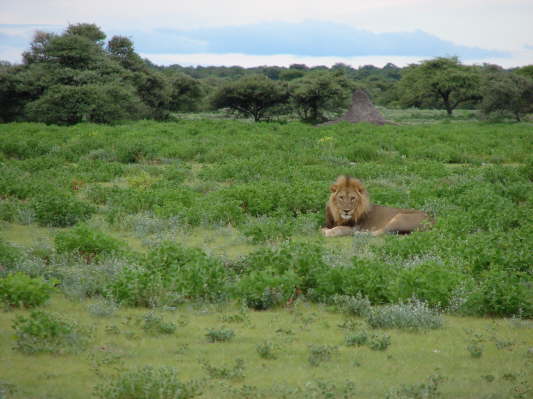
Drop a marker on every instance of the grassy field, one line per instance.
(151, 239)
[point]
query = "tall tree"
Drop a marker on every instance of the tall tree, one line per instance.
(507, 92)
(441, 82)
(319, 92)
(254, 96)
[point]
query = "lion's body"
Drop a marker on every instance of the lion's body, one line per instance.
(349, 210)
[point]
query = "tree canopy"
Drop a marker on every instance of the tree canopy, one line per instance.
(442, 83)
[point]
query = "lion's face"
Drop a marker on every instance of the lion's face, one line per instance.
(346, 201)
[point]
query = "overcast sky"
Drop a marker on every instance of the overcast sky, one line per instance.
(282, 32)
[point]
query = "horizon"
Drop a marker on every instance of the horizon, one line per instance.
(251, 34)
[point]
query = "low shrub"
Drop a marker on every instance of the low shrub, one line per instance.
(21, 290)
(358, 338)
(413, 315)
(265, 289)
(268, 229)
(432, 283)
(321, 353)
(220, 334)
(148, 383)
(49, 332)
(425, 390)
(10, 256)
(87, 242)
(58, 209)
(266, 350)
(379, 342)
(154, 324)
(501, 293)
(352, 305)
(136, 286)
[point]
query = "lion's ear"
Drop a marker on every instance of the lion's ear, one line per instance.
(333, 188)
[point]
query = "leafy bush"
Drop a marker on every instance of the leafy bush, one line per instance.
(413, 315)
(501, 293)
(234, 373)
(147, 383)
(430, 282)
(21, 290)
(358, 338)
(87, 242)
(190, 272)
(136, 286)
(9, 256)
(49, 332)
(59, 209)
(265, 289)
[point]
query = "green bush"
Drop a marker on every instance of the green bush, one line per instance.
(59, 209)
(154, 324)
(99, 103)
(430, 282)
(501, 293)
(265, 289)
(21, 290)
(9, 256)
(49, 332)
(87, 242)
(190, 272)
(147, 383)
(137, 286)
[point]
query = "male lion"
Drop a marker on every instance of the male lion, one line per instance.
(349, 210)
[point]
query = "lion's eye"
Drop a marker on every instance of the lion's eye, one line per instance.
(353, 199)
(341, 197)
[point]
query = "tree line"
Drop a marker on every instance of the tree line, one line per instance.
(78, 76)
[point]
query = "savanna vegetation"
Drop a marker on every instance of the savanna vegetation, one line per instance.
(183, 259)
(78, 76)
(150, 251)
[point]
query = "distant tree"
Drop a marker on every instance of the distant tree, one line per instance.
(255, 96)
(319, 92)
(185, 94)
(67, 105)
(526, 71)
(507, 92)
(441, 82)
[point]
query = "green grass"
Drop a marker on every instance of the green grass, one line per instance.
(251, 197)
(410, 359)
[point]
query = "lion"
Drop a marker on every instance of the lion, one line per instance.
(349, 210)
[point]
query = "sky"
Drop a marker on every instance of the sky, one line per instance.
(283, 32)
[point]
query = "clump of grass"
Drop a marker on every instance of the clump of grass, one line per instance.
(220, 334)
(49, 332)
(148, 383)
(379, 342)
(425, 390)
(357, 339)
(266, 350)
(321, 353)
(358, 305)
(475, 349)
(373, 341)
(232, 373)
(413, 315)
(154, 324)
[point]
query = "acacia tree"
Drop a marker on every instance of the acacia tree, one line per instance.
(254, 96)
(507, 92)
(442, 83)
(318, 92)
